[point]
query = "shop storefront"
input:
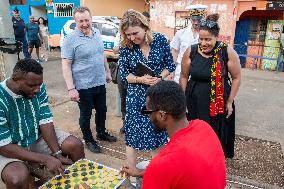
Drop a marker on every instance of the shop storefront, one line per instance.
(168, 16)
(253, 27)
(258, 31)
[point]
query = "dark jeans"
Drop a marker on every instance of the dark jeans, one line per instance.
(25, 47)
(89, 99)
(122, 88)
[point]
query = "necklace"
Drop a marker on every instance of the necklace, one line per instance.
(201, 50)
(208, 53)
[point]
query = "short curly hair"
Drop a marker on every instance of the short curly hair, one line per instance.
(167, 96)
(134, 18)
(25, 66)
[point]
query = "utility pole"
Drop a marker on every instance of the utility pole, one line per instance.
(8, 56)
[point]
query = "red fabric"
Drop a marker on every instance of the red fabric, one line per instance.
(192, 159)
(217, 84)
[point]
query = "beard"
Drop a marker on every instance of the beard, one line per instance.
(158, 130)
(24, 94)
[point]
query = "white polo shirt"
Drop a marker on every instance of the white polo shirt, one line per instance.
(181, 41)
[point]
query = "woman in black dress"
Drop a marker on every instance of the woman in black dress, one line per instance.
(210, 91)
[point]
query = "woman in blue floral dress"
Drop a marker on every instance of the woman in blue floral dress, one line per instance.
(140, 44)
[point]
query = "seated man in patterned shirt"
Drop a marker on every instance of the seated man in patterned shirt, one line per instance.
(27, 133)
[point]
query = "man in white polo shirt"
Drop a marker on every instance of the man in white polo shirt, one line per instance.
(187, 36)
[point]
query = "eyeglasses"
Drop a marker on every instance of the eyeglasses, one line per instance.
(144, 111)
(208, 23)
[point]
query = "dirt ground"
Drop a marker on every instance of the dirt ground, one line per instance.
(253, 158)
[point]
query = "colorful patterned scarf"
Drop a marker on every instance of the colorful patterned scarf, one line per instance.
(217, 81)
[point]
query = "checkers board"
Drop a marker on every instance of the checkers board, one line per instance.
(93, 174)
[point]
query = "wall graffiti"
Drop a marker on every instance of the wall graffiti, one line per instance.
(163, 16)
(225, 38)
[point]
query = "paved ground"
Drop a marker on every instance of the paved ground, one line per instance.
(260, 106)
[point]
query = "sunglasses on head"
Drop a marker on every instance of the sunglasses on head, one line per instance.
(208, 23)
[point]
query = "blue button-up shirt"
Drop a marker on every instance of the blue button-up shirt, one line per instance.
(87, 56)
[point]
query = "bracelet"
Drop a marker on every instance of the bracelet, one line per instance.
(56, 153)
(71, 89)
(136, 79)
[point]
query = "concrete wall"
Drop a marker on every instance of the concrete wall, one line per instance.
(7, 61)
(113, 7)
(244, 6)
(36, 2)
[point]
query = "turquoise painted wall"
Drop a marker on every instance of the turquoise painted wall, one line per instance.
(55, 24)
(36, 2)
(24, 11)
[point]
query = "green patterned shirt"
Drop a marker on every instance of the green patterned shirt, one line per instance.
(20, 117)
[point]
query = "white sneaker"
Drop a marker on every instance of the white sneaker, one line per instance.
(39, 60)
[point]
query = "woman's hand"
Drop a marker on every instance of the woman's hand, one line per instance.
(229, 109)
(148, 80)
(158, 79)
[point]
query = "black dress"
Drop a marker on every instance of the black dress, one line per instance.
(198, 99)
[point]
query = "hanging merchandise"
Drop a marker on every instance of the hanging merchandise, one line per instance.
(272, 44)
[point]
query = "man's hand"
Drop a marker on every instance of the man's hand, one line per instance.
(64, 160)
(74, 95)
(131, 171)
(54, 165)
(108, 77)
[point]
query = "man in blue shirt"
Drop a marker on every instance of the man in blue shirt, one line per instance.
(86, 71)
(34, 36)
(20, 31)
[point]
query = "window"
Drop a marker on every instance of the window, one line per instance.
(257, 30)
(72, 26)
(95, 25)
(109, 30)
(63, 9)
(181, 20)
